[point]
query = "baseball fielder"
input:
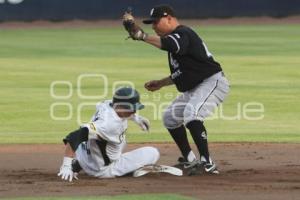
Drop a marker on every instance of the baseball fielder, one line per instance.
(194, 72)
(97, 147)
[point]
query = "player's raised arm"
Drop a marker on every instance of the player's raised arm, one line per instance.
(164, 23)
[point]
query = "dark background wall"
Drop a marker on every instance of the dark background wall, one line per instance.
(112, 9)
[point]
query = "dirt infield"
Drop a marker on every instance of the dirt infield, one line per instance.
(118, 23)
(248, 171)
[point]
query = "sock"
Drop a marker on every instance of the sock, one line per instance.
(191, 157)
(199, 135)
(180, 137)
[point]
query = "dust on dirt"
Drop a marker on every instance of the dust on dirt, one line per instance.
(247, 171)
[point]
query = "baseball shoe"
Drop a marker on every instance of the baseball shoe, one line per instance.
(76, 166)
(210, 168)
(180, 162)
(184, 164)
(203, 168)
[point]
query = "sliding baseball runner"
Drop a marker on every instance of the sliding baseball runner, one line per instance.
(97, 147)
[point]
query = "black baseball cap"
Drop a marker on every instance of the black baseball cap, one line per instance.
(158, 12)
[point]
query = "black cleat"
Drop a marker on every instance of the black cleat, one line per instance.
(180, 162)
(203, 168)
(184, 164)
(210, 168)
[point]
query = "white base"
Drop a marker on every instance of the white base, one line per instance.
(157, 169)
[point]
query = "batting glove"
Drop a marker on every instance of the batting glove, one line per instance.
(143, 122)
(66, 171)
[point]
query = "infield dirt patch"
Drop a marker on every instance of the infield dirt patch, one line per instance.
(248, 171)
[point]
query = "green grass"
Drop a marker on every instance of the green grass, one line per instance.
(262, 63)
(121, 197)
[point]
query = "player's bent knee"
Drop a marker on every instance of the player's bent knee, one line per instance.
(166, 118)
(156, 155)
(189, 115)
(169, 121)
(153, 154)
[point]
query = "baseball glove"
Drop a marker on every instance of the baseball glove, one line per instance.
(135, 32)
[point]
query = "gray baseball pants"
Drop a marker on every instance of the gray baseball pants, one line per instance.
(198, 103)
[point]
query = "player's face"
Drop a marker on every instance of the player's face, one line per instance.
(123, 112)
(162, 26)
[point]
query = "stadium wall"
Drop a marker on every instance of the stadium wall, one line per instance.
(29, 10)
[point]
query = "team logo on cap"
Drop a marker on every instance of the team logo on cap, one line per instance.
(151, 12)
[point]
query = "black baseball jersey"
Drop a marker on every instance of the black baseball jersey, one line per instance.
(189, 59)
